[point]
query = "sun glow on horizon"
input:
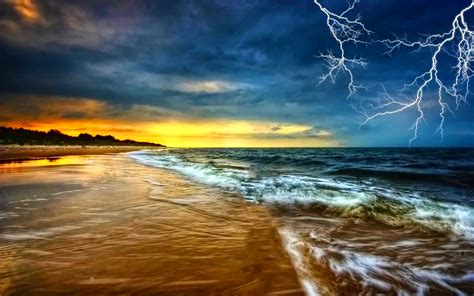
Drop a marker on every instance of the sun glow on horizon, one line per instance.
(193, 134)
(158, 125)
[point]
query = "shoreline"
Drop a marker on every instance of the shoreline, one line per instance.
(18, 152)
(106, 224)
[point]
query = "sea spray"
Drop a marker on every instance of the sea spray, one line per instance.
(366, 198)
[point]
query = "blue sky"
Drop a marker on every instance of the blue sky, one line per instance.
(157, 69)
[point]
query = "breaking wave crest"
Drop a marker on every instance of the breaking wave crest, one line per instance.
(339, 197)
(378, 274)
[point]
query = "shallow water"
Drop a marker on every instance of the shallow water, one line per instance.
(239, 221)
(354, 221)
(107, 225)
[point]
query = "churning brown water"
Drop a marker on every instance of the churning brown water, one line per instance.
(351, 256)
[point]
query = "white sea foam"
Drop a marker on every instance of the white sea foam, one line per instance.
(293, 246)
(199, 172)
(378, 272)
(298, 189)
(350, 198)
(382, 272)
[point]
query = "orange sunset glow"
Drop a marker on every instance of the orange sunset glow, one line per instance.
(152, 124)
(236, 147)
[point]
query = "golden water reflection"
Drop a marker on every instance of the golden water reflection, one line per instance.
(15, 165)
(111, 226)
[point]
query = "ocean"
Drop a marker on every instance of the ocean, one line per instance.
(365, 220)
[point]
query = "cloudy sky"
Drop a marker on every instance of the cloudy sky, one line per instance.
(214, 72)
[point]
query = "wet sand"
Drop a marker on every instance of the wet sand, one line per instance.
(15, 152)
(105, 225)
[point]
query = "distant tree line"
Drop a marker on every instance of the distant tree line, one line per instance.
(21, 136)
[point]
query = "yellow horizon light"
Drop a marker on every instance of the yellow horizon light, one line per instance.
(213, 133)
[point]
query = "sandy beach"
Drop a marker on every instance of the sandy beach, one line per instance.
(106, 225)
(153, 223)
(15, 152)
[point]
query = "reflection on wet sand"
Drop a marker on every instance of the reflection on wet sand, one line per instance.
(12, 166)
(107, 225)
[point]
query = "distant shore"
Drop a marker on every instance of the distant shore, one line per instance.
(12, 152)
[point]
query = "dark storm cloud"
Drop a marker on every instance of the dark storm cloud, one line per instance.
(216, 59)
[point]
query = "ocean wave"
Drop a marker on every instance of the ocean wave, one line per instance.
(371, 271)
(381, 272)
(463, 180)
(205, 173)
(351, 199)
(292, 245)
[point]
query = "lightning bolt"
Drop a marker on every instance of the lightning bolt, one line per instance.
(457, 43)
(344, 30)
